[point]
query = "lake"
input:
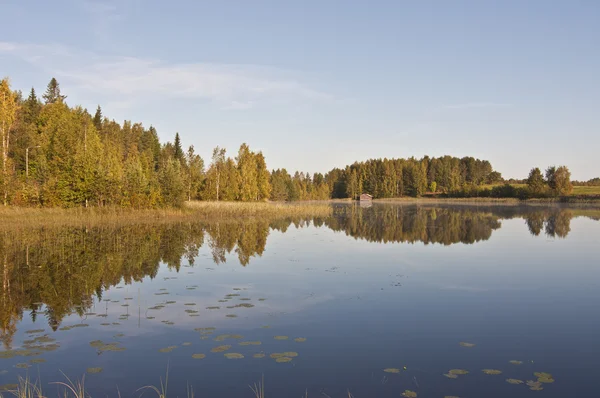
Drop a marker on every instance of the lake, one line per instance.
(372, 300)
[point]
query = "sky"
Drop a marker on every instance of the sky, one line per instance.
(317, 84)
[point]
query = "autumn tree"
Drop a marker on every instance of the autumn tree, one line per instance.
(8, 111)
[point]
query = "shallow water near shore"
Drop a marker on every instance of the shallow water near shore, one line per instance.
(375, 300)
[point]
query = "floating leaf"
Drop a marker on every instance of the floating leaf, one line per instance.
(391, 370)
(93, 370)
(96, 343)
(223, 337)
(276, 355)
(231, 316)
(37, 360)
(190, 304)
(233, 355)
(213, 308)
(300, 339)
(259, 355)
(35, 331)
(22, 365)
(468, 345)
(261, 299)
(290, 354)
(119, 335)
(281, 337)
(221, 348)
(250, 343)
(283, 359)
(198, 356)
(409, 394)
(491, 371)
(191, 311)
(168, 349)
(534, 385)
(245, 299)
(544, 377)
(186, 344)
(515, 362)
(514, 381)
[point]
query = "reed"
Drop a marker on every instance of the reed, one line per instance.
(28, 218)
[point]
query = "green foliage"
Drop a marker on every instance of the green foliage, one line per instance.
(535, 182)
(52, 94)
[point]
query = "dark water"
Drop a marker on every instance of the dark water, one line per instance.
(369, 288)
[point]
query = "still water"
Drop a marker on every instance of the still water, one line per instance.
(375, 301)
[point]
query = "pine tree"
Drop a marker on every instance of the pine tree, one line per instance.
(98, 119)
(52, 94)
(178, 152)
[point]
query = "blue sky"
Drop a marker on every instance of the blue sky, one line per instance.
(318, 84)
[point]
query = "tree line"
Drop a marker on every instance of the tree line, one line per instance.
(56, 155)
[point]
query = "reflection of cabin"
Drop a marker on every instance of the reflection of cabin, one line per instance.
(365, 197)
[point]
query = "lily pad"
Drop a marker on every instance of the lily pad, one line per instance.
(261, 299)
(409, 394)
(544, 377)
(300, 339)
(168, 349)
(514, 381)
(93, 370)
(233, 355)
(391, 370)
(281, 337)
(97, 343)
(198, 356)
(37, 360)
(213, 308)
(515, 362)
(534, 385)
(283, 359)
(223, 337)
(22, 366)
(276, 355)
(35, 331)
(221, 348)
(290, 354)
(231, 316)
(186, 344)
(190, 304)
(250, 343)
(465, 344)
(188, 311)
(259, 355)
(491, 371)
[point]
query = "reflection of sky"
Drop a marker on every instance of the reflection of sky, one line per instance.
(363, 307)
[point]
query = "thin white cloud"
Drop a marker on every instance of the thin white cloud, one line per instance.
(135, 80)
(470, 105)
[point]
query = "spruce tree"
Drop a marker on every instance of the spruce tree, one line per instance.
(98, 118)
(52, 94)
(178, 153)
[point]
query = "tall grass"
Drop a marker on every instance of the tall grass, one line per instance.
(27, 218)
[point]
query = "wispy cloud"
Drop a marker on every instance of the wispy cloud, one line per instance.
(470, 105)
(134, 80)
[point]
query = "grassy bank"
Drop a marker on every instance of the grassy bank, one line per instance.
(23, 218)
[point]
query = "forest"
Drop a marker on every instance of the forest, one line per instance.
(54, 155)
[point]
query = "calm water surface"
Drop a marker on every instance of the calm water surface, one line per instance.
(368, 288)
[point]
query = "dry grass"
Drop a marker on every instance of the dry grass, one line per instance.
(12, 218)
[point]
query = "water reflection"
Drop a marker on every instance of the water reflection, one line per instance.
(54, 273)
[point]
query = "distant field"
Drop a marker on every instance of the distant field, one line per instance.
(576, 190)
(586, 190)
